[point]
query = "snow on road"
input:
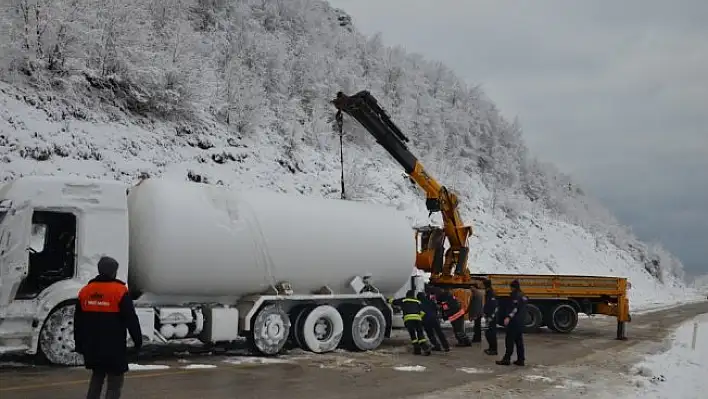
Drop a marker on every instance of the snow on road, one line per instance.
(410, 368)
(147, 367)
(681, 372)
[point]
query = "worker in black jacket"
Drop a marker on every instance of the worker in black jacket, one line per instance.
(490, 318)
(413, 320)
(453, 312)
(431, 324)
(475, 312)
(514, 323)
(104, 312)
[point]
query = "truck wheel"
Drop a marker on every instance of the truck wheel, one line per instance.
(534, 318)
(56, 339)
(322, 329)
(297, 326)
(563, 318)
(364, 327)
(271, 329)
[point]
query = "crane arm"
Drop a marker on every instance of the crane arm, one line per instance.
(364, 108)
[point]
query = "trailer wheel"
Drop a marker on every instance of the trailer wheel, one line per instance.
(322, 329)
(271, 329)
(298, 318)
(364, 327)
(534, 318)
(563, 318)
(56, 339)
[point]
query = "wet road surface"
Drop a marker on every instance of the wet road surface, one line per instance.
(343, 375)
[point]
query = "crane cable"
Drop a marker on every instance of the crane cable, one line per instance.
(340, 126)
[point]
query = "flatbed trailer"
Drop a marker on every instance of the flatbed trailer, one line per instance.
(554, 301)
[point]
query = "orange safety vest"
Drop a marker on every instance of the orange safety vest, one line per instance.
(103, 297)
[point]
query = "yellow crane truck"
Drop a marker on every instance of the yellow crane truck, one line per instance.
(554, 300)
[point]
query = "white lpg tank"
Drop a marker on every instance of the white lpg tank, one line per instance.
(201, 240)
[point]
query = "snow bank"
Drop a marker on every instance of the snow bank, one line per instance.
(239, 360)
(410, 368)
(474, 370)
(199, 366)
(146, 367)
(681, 371)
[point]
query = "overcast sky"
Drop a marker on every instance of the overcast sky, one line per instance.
(613, 92)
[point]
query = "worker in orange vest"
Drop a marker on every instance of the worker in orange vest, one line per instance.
(104, 313)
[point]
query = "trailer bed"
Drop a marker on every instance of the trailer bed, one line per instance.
(554, 300)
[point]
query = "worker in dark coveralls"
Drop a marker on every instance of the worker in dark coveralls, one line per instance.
(413, 321)
(105, 311)
(431, 324)
(475, 312)
(490, 318)
(514, 323)
(453, 312)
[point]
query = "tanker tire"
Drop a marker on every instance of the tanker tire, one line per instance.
(298, 318)
(56, 339)
(562, 318)
(271, 329)
(534, 318)
(365, 329)
(347, 310)
(322, 329)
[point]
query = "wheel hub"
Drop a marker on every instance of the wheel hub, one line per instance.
(274, 327)
(563, 319)
(368, 328)
(323, 329)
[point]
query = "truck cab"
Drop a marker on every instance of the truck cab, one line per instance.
(53, 230)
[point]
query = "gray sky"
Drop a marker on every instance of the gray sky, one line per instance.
(614, 93)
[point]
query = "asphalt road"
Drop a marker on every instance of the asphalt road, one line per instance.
(342, 375)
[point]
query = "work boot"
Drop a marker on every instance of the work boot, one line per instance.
(446, 349)
(503, 362)
(416, 349)
(437, 348)
(491, 352)
(520, 363)
(425, 348)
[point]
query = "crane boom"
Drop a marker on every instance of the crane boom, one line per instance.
(452, 268)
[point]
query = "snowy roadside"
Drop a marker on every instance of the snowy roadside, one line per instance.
(681, 371)
(667, 369)
(691, 296)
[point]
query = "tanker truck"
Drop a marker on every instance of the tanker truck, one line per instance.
(201, 262)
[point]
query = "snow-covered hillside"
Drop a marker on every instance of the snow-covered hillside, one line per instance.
(237, 93)
(700, 283)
